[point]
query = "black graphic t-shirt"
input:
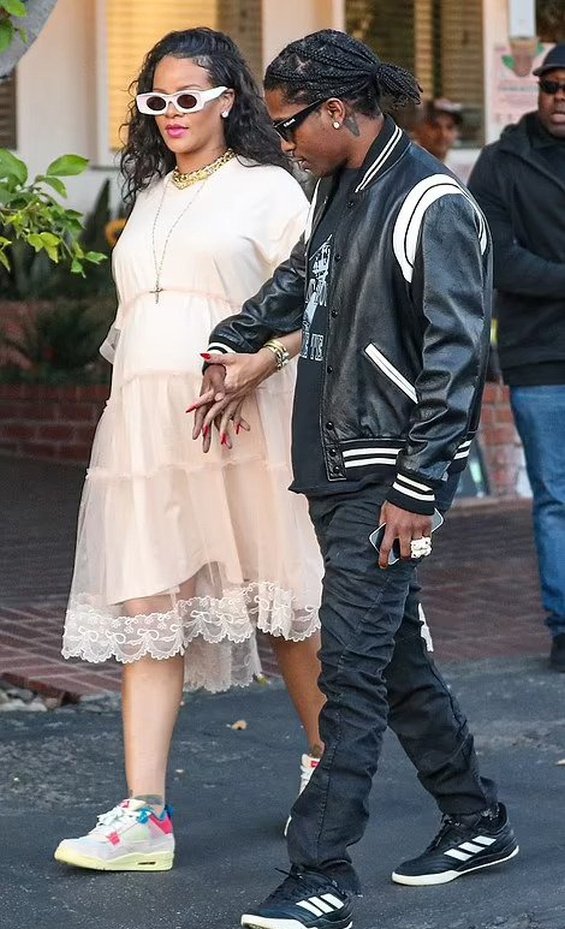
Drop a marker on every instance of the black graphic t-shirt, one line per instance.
(307, 460)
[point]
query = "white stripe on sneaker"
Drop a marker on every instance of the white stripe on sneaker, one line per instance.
(461, 856)
(335, 901)
(469, 847)
(484, 840)
(306, 905)
(325, 907)
(326, 903)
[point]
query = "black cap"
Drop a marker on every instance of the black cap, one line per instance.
(555, 58)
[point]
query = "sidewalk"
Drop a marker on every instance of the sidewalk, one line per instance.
(480, 594)
(231, 791)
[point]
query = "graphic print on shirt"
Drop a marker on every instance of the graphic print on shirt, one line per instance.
(316, 296)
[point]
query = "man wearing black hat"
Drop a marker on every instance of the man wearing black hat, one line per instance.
(520, 183)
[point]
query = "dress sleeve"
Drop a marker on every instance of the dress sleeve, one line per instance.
(286, 222)
(110, 343)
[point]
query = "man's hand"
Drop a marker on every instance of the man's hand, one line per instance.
(401, 525)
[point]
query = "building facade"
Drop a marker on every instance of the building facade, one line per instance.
(70, 92)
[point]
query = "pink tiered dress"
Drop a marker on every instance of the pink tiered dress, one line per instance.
(178, 551)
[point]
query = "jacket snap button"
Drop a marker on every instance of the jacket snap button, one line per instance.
(329, 369)
(332, 452)
(335, 469)
(329, 425)
(337, 257)
(350, 203)
(334, 313)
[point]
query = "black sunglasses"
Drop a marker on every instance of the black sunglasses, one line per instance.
(551, 87)
(287, 127)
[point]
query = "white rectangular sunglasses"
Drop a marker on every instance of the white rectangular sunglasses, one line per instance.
(184, 101)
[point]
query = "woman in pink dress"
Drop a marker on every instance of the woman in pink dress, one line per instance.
(182, 556)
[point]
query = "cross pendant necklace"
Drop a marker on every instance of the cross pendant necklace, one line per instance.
(156, 291)
(159, 262)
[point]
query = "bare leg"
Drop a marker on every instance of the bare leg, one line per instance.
(151, 696)
(299, 665)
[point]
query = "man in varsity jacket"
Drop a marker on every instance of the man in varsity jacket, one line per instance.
(392, 291)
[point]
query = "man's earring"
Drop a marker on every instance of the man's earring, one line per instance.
(225, 114)
(336, 125)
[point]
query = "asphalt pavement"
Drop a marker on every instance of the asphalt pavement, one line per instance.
(231, 790)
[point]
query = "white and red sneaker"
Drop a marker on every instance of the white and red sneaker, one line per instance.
(308, 765)
(130, 837)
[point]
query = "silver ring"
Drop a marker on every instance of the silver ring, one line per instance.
(421, 548)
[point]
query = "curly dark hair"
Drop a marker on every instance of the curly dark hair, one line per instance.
(248, 128)
(329, 64)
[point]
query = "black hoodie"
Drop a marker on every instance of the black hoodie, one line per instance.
(519, 182)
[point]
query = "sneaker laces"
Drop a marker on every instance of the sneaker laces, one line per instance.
(119, 816)
(450, 824)
(299, 884)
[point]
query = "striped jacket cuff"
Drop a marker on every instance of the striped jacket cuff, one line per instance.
(220, 348)
(217, 348)
(412, 495)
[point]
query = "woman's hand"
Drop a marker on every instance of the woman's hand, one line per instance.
(240, 374)
(211, 391)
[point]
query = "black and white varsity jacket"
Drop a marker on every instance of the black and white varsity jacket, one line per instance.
(409, 307)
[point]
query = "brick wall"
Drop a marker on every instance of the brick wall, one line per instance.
(501, 445)
(38, 421)
(58, 423)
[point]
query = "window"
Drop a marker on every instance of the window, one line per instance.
(550, 20)
(440, 41)
(133, 26)
(8, 113)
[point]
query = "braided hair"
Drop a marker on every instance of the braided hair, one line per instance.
(329, 64)
(248, 128)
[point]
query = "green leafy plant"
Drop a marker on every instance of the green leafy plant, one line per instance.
(59, 345)
(10, 12)
(29, 212)
(32, 276)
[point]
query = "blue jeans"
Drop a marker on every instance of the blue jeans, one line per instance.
(375, 672)
(540, 419)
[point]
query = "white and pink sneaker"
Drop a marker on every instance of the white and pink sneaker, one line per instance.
(130, 837)
(308, 765)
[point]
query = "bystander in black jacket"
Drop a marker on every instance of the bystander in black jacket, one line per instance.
(408, 322)
(518, 183)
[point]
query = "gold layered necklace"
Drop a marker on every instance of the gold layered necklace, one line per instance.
(181, 180)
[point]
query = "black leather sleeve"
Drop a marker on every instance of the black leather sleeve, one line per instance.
(452, 288)
(277, 309)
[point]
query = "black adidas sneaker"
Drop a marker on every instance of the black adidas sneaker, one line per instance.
(304, 900)
(463, 844)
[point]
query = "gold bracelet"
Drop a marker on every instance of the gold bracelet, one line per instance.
(282, 356)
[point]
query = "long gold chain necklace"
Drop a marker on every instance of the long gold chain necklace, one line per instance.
(204, 173)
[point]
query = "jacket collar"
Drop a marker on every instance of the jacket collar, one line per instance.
(516, 140)
(388, 147)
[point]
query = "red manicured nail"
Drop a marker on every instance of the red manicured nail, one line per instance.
(205, 355)
(191, 408)
(224, 439)
(205, 431)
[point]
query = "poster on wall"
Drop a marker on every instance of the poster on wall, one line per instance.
(515, 89)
